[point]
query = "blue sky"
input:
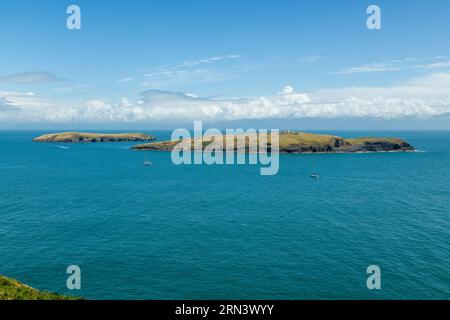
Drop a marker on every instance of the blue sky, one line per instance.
(167, 62)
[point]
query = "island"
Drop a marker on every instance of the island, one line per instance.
(11, 289)
(78, 137)
(296, 143)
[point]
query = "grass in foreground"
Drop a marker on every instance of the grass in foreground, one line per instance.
(11, 289)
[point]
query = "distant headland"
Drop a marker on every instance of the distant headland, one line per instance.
(77, 137)
(300, 142)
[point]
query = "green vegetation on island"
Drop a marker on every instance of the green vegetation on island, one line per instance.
(11, 289)
(294, 142)
(75, 137)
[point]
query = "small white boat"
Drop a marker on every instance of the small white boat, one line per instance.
(147, 163)
(315, 176)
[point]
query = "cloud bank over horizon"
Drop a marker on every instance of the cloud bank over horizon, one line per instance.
(423, 97)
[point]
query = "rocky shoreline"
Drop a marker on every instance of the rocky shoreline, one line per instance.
(77, 137)
(289, 142)
(301, 143)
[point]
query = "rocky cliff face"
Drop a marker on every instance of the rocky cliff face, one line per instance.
(296, 143)
(334, 145)
(378, 145)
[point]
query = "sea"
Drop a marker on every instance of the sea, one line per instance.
(226, 232)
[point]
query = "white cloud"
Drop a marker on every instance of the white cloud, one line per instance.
(399, 64)
(127, 79)
(286, 90)
(190, 63)
(436, 65)
(29, 107)
(6, 105)
(310, 59)
(371, 67)
(80, 87)
(167, 77)
(30, 77)
(124, 102)
(190, 71)
(423, 97)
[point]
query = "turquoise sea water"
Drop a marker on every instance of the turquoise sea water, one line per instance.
(225, 232)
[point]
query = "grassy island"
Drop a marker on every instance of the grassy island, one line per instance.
(298, 142)
(75, 137)
(11, 289)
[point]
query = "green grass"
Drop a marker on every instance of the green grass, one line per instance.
(92, 137)
(295, 140)
(306, 139)
(358, 141)
(11, 289)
